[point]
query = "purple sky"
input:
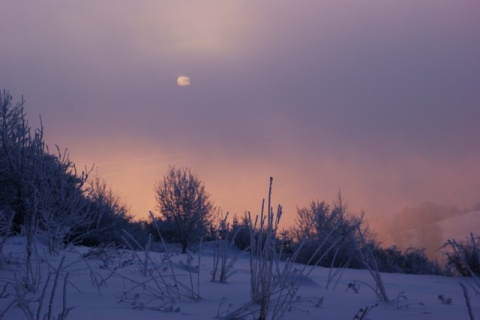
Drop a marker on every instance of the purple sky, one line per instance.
(380, 99)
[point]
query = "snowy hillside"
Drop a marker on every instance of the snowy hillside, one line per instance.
(116, 284)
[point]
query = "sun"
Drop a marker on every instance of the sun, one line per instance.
(183, 81)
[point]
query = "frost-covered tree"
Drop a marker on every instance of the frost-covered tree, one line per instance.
(62, 205)
(184, 205)
(44, 190)
(19, 150)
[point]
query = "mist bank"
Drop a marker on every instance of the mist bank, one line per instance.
(428, 226)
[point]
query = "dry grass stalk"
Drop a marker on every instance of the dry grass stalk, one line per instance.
(370, 263)
(460, 251)
(222, 265)
(274, 283)
(467, 301)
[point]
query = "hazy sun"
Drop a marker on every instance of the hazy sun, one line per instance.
(183, 81)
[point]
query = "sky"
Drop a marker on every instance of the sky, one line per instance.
(377, 99)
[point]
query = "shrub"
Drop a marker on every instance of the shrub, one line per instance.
(464, 256)
(45, 190)
(410, 261)
(242, 239)
(336, 222)
(112, 218)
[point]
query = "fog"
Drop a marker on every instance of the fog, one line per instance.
(376, 99)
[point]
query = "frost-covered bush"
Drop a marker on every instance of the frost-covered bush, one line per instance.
(343, 226)
(389, 259)
(410, 261)
(417, 262)
(325, 220)
(464, 256)
(43, 188)
(112, 218)
(242, 239)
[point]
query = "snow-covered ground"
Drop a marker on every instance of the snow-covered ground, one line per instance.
(126, 293)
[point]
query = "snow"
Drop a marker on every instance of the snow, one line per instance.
(125, 269)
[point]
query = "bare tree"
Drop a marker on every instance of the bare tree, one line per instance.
(184, 205)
